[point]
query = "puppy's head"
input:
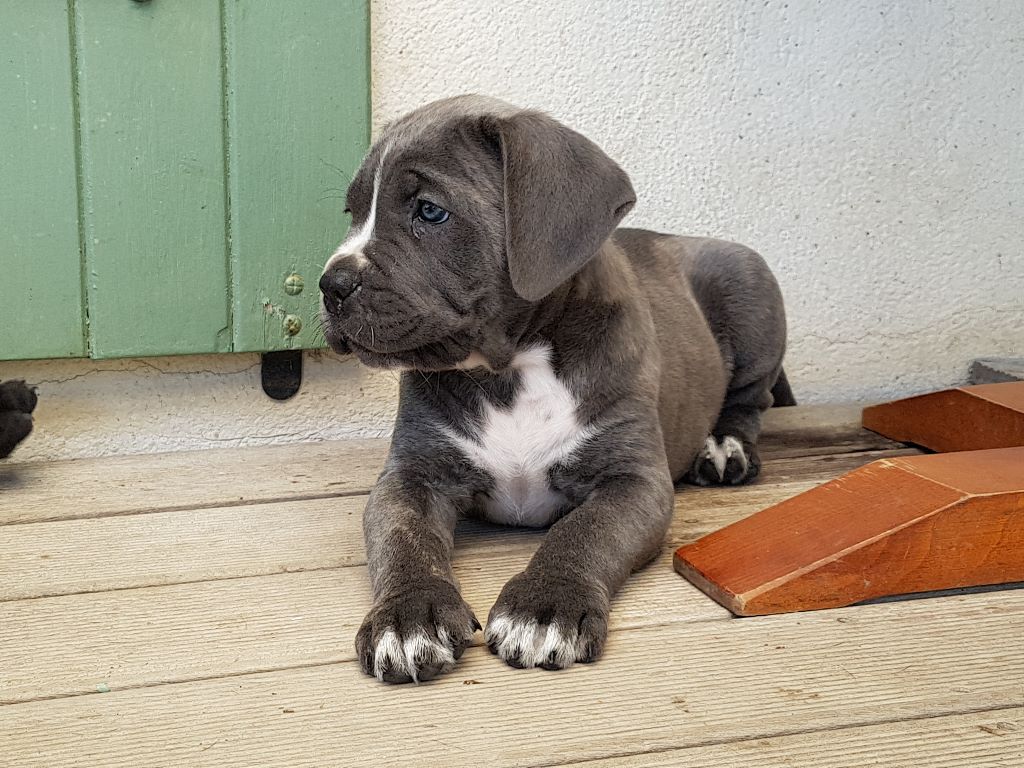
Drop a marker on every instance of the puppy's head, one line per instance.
(464, 213)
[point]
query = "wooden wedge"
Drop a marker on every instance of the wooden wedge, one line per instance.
(895, 526)
(962, 419)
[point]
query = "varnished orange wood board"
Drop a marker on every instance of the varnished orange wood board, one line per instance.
(895, 526)
(963, 419)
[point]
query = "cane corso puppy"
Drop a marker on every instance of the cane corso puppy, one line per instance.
(556, 371)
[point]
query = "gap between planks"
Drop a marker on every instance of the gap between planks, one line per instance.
(989, 737)
(138, 638)
(135, 484)
(203, 582)
(661, 639)
(657, 689)
(68, 556)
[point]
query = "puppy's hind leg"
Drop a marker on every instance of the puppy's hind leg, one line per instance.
(743, 306)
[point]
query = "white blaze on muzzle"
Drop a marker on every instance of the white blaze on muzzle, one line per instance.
(358, 238)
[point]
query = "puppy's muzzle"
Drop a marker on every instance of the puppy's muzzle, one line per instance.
(338, 282)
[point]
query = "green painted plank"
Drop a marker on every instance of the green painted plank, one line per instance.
(150, 89)
(298, 116)
(40, 258)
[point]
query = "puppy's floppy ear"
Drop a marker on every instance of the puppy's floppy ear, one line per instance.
(563, 198)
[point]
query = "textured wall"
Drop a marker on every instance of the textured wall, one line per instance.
(872, 151)
(200, 401)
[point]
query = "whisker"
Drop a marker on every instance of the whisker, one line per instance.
(347, 177)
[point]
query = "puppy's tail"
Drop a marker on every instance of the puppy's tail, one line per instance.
(781, 393)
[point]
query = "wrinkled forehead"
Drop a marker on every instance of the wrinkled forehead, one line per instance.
(434, 139)
(422, 122)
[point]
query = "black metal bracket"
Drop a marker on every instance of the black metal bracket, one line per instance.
(281, 373)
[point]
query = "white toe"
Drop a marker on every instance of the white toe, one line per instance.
(560, 647)
(531, 643)
(409, 655)
(732, 447)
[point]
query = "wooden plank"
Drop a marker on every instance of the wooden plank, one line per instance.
(298, 125)
(991, 739)
(963, 419)
(658, 688)
(810, 429)
(897, 526)
(83, 488)
(41, 309)
(127, 551)
(98, 554)
(153, 165)
(69, 557)
(78, 644)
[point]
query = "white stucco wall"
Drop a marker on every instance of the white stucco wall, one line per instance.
(872, 151)
(195, 402)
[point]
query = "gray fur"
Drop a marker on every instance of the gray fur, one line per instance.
(17, 402)
(661, 340)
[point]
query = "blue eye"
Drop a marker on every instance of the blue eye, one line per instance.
(430, 213)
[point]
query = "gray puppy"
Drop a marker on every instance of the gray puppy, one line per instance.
(556, 371)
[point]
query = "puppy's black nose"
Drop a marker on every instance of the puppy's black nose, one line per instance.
(337, 284)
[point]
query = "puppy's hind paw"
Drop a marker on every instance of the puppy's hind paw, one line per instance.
(724, 460)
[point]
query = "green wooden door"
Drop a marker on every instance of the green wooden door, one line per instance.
(186, 186)
(41, 290)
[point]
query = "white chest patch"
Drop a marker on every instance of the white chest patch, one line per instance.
(518, 445)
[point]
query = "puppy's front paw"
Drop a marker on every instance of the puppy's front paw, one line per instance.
(725, 460)
(17, 396)
(17, 401)
(415, 635)
(547, 621)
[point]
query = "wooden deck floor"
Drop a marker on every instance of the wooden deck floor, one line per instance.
(199, 609)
